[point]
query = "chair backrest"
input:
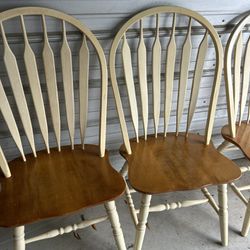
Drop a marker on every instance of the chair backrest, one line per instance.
(237, 70)
(56, 66)
(166, 17)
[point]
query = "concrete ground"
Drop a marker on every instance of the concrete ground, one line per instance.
(190, 228)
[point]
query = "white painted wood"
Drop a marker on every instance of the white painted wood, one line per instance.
(185, 60)
(83, 87)
(175, 205)
(128, 196)
(156, 76)
(34, 83)
(114, 220)
(142, 221)
(142, 73)
(64, 230)
(4, 164)
(170, 67)
(210, 199)
(245, 81)
(246, 222)
(237, 73)
(197, 79)
(223, 213)
(10, 120)
(244, 169)
(238, 192)
(119, 106)
(19, 241)
(51, 83)
(17, 88)
(131, 205)
(128, 73)
(232, 40)
(243, 188)
(66, 61)
(131, 190)
(104, 97)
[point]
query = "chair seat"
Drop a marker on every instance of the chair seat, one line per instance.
(166, 164)
(56, 184)
(242, 138)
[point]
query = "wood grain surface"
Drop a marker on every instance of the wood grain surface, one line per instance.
(57, 184)
(176, 163)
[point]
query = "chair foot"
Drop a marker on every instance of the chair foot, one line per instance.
(142, 221)
(223, 213)
(116, 226)
(246, 223)
(19, 241)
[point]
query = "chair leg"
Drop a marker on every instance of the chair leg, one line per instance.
(131, 205)
(223, 213)
(246, 223)
(116, 226)
(19, 241)
(142, 221)
(129, 198)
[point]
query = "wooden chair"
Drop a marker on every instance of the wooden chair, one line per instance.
(237, 132)
(63, 180)
(168, 161)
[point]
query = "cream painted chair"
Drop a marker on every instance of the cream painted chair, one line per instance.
(237, 131)
(160, 161)
(63, 180)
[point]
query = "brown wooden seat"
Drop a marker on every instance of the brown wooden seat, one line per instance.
(242, 138)
(57, 184)
(176, 163)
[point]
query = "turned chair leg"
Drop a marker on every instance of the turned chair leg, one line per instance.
(129, 199)
(142, 221)
(19, 241)
(131, 205)
(116, 226)
(246, 223)
(223, 213)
